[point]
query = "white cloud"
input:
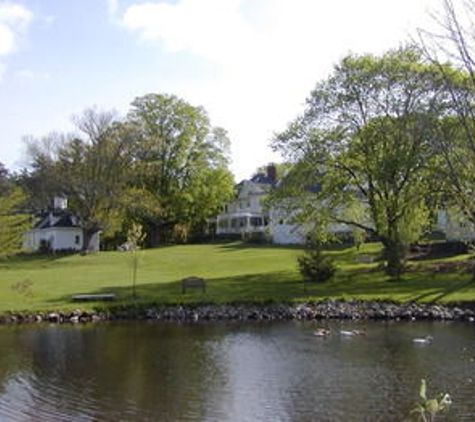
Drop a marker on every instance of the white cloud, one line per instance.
(15, 15)
(31, 75)
(113, 6)
(213, 29)
(14, 20)
(7, 40)
(268, 53)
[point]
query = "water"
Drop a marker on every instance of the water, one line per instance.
(231, 372)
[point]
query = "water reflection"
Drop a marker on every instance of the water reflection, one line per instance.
(218, 372)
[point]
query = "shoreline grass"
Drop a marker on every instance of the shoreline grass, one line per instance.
(234, 272)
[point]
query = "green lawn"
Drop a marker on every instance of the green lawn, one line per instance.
(234, 273)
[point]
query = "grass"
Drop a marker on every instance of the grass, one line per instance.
(234, 273)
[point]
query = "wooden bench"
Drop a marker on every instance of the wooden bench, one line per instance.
(84, 298)
(193, 283)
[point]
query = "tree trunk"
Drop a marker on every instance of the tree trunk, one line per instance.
(153, 235)
(87, 238)
(160, 233)
(394, 252)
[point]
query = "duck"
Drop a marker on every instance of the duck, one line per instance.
(351, 333)
(423, 340)
(321, 332)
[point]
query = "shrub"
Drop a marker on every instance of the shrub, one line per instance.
(316, 267)
(45, 247)
(255, 238)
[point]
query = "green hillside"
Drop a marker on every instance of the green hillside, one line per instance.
(234, 273)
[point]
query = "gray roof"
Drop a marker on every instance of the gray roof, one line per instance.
(65, 220)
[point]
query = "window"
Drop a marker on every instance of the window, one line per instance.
(77, 239)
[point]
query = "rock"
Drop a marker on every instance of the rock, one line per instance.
(54, 317)
(331, 309)
(95, 318)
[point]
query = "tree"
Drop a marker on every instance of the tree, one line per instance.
(4, 180)
(362, 149)
(455, 141)
(180, 167)
(94, 170)
(90, 168)
(135, 237)
(41, 182)
(13, 221)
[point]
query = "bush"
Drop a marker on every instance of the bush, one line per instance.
(316, 267)
(258, 238)
(45, 247)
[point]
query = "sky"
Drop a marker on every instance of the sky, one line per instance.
(250, 63)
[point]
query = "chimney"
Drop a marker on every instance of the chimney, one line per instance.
(60, 203)
(272, 172)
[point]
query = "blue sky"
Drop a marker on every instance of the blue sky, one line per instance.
(250, 63)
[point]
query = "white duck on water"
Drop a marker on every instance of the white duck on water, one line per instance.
(321, 332)
(351, 333)
(423, 340)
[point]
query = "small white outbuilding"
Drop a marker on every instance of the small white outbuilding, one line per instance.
(58, 230)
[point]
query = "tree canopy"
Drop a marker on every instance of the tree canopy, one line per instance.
(13, 220)
(180, 166)
(365, 141)
(163, 166)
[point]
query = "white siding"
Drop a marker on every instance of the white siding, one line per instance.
(60, 238)
(288, 234)
(67, 238)
(457, 228)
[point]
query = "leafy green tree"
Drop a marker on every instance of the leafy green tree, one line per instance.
(13, 221)
(180, 167)
(94, 170)
(362, 149)
(90, 168)
(164, 167)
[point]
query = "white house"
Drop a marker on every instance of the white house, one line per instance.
(283, 231)
(455, 226)
(58, 230)
(245, 214)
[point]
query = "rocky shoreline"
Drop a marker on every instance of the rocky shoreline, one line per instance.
(346, 310)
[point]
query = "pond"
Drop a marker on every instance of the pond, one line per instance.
(232, 372)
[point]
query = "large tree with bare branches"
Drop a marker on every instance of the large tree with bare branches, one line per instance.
(453, 38)
(90, 167)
